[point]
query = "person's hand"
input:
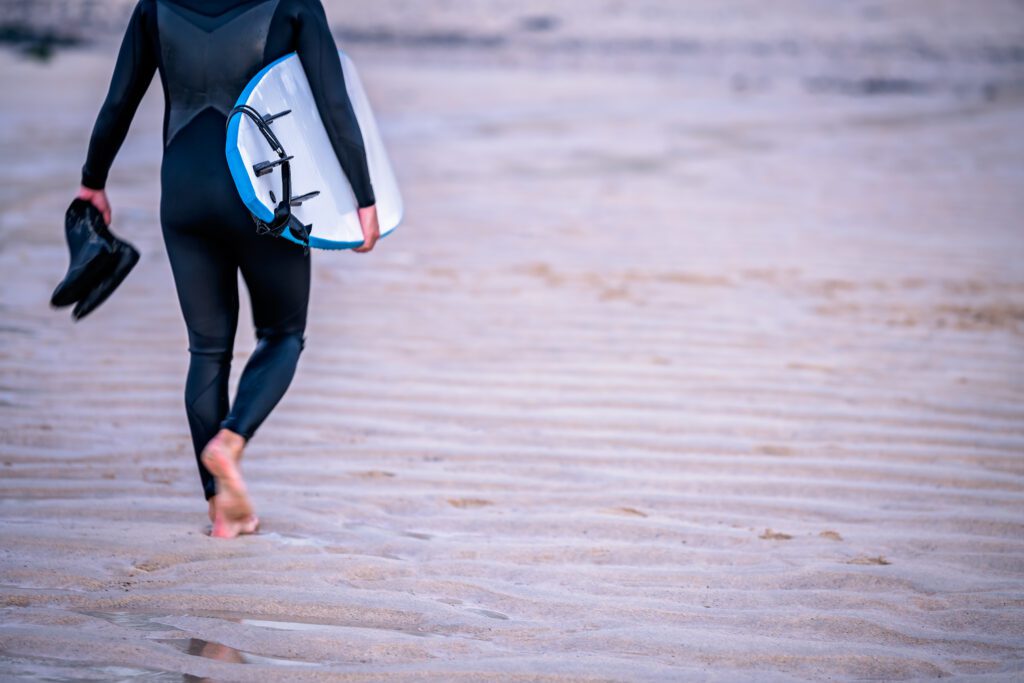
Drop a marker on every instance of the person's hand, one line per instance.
(371, 228)
(98, 198)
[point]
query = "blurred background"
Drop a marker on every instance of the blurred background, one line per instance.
(700, 352)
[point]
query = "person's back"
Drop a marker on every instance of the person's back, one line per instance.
(206, 51)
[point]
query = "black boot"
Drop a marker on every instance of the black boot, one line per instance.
(92, 254)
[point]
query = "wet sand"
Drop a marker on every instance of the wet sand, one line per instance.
(671, 374)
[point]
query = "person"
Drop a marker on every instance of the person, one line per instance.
(206, 51)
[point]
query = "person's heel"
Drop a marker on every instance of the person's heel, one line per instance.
(232, 499)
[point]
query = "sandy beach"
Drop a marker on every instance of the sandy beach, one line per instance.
(699, 356)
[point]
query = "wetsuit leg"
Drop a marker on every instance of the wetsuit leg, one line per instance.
(206, 278)
(200, 216)
(277, 275)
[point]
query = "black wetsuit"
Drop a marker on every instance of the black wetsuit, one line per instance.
(206, 51)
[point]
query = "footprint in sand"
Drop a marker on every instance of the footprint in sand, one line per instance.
(773, 449)
(450, 601)
(488, 613)
(622, 510)
(869, 560)
(615, 293)
(770, 535)
(468, 502)
(159, 475)
(373, 474)
(148, 566)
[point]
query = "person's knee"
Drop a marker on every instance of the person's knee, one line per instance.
(293, 340)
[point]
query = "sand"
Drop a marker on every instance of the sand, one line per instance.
(689, 363)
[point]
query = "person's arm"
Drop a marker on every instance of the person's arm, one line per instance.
(132, 75)
(319, 55)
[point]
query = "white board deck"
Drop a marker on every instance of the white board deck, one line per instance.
(333, 214)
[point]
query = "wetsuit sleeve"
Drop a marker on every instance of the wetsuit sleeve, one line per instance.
(133, 73)
(319, 55)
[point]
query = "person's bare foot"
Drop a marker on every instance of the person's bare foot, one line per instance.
(250, 525)
(224, 527)
(232, 509)
(212, 500)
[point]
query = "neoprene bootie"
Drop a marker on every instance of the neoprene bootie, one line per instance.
(91, 250)
(125, 258)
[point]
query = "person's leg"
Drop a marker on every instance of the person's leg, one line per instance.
(277, 275)
(203, 222)
(206, 278)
